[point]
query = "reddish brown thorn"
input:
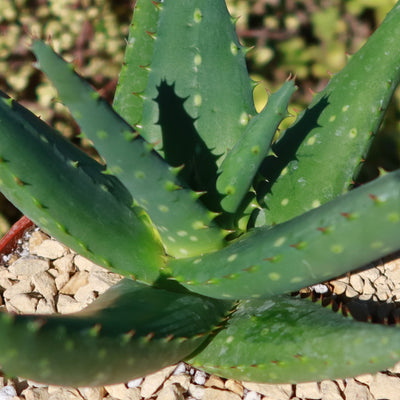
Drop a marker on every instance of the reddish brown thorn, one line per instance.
(275, 258)
(40, 322)
(130, 334)
(156, 4)
(169, 337)
(375, 199)
(349, 216)
(151, 34)
(95, 330)
(300, 245)
(149, 337)
(146, 67)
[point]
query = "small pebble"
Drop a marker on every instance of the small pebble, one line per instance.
(29, 265)
(320, 288)
(7, 392)
(180, 369)
(22, 303)
(200, 378)
(252, 396)
(65, 265)
(217, 382)
(66, 304)
(196, 391)
(181, 380)
(234, 386)
(50, 249)
(135, 383)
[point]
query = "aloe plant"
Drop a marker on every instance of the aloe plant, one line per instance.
(212, 220)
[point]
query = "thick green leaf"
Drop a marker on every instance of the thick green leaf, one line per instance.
(130, 331)
(318, 158)
(352, 230)
(66, 193)
(199, 96)
(243, 161)
(132, 82)
(283, 339)
(184, 224)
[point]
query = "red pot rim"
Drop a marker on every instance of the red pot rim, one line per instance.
(9, 241)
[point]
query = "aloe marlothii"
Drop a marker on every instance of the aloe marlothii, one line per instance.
(210, 228)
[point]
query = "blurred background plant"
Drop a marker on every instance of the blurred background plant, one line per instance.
(311, 39)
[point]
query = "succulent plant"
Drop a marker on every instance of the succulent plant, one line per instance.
(211, 214)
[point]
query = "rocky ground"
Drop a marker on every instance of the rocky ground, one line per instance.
(44, 276)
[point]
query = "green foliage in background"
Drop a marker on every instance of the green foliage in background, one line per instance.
(91, 33)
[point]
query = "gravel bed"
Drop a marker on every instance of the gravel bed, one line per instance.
(43, 276)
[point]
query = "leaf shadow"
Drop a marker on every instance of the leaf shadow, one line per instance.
(184, 147)
(286, 147)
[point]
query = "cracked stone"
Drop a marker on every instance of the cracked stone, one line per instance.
(50, 249)
(217, 394)
(92, 393)
(357, 283)
(66, 304)
(371, 274)
(79, 279)
(196, 391)
(309, 390)
(29, 265)
(395, 369)
(45, 307)
(368, 287)
(103, 280)
(276, 392)
(36, 239)
(153, 382)
(45, 285)
(339, 287)
(234, 386)
(85, 294)
(5, 283)
(61, 280)
(21, 287)
(357, 391)
(170, 392)
(382, 293)
(83, 264)
(215, 381)
(121, 392)
(182, 380)
(60, 393)
(330, 391)
(22, 303)
(381, 280)
(350, 292)
(384, 386)
(65, 264)
(35, 394)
